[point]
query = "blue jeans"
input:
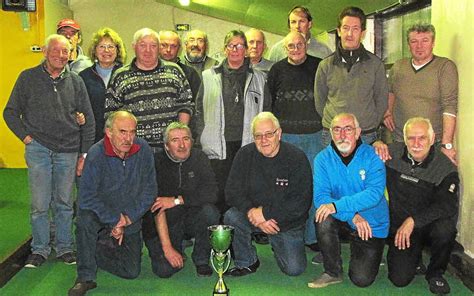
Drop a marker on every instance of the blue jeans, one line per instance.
(366, 138)
(97, 248)
(51, 178)
(288, 246)
(311, 145)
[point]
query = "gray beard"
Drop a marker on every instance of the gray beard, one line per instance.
(195, 59)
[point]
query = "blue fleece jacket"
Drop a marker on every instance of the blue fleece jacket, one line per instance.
(110, 185)
(355, 188)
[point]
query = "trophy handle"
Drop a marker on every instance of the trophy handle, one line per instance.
(212, 261)
(228, 261)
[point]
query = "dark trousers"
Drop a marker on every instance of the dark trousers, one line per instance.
(182, 222)
(365, 255)
(96, 248)
(402, 264)
(221, 169)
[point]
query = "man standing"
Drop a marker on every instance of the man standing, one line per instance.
(423, 187)
(269, 189)
(196, 45)
(154, 90)
(256, 47)
(230, 96)
(349, 183)
(72, 31)
(424, 85)
(352, 79)
(42, 112)
(300, 20)
(170, 44)
(291, 84)
(184, 208)
(117, 187)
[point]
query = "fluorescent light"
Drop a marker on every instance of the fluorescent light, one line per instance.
(184, 2)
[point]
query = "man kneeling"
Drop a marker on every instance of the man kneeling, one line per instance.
(117, 187)
(349, 183)
(269, 189)
(184, 208)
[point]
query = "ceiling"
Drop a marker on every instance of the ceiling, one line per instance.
(271, 15)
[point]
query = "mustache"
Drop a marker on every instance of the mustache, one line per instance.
(195, 47)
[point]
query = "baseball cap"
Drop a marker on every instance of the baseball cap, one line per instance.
(68, 23)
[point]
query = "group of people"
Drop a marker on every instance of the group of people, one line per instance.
(286, 150)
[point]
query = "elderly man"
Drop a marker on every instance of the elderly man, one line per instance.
(231, 94)
(423, 187)
(196, 45)
(352, 79)
(41, 112)
(170, 44)
(72, 31)
(156, 91)
(187, 192)
(269, 189)
(117, 187)
(349, 183)
(300, 20)
(256, 47)
(291, 83)
(424, 85)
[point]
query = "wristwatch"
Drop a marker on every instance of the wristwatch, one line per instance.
(176, 200)
(448, 146)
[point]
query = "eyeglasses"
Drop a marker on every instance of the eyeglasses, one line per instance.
(109, 47)
(267, 135)
(348, 130)
(292, 46)
(235, 46)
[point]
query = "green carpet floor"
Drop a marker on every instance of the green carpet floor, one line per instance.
(14, 210)
(55, 278)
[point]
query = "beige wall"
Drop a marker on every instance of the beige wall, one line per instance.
(118, 15)
(453, 22)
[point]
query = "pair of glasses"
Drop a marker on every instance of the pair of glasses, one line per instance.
(292, 46)
(235, 46)
(109, 47)
(348, 130)
(267, 135)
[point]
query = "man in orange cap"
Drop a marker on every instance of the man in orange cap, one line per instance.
(72, 31)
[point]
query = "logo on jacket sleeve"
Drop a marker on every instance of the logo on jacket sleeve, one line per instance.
(362, 174)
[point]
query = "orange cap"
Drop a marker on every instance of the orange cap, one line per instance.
(68, 23)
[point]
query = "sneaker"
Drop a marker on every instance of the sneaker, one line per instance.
(317, 259)
(325, 280)
(204, 270)
(68, 258)
(260, 238)
(313, 247)
(420, 269)
(235, 271)
(81, 288)
(439, 286)
(34, 260)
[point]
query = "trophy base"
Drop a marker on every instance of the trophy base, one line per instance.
(224, 293)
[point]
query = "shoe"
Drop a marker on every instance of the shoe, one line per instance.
(420, 269)
(204, 270)
(439, 286)
(325, 280)
(260, 238)
(317, 259)
(34, 261)
(68, 258)
(81, 288)
(313, 247)
(235, 271)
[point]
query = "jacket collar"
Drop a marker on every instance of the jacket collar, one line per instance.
(109, 150)
(407, 158)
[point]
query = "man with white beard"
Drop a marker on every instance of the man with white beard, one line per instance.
(349, 183)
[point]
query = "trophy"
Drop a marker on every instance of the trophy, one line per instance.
(221, 237)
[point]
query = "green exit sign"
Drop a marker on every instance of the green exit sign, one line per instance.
(182, 27)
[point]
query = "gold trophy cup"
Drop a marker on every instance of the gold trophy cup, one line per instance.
(220, 237)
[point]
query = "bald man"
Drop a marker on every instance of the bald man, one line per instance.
(196, 45)
(170, 45)
(256, 47)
